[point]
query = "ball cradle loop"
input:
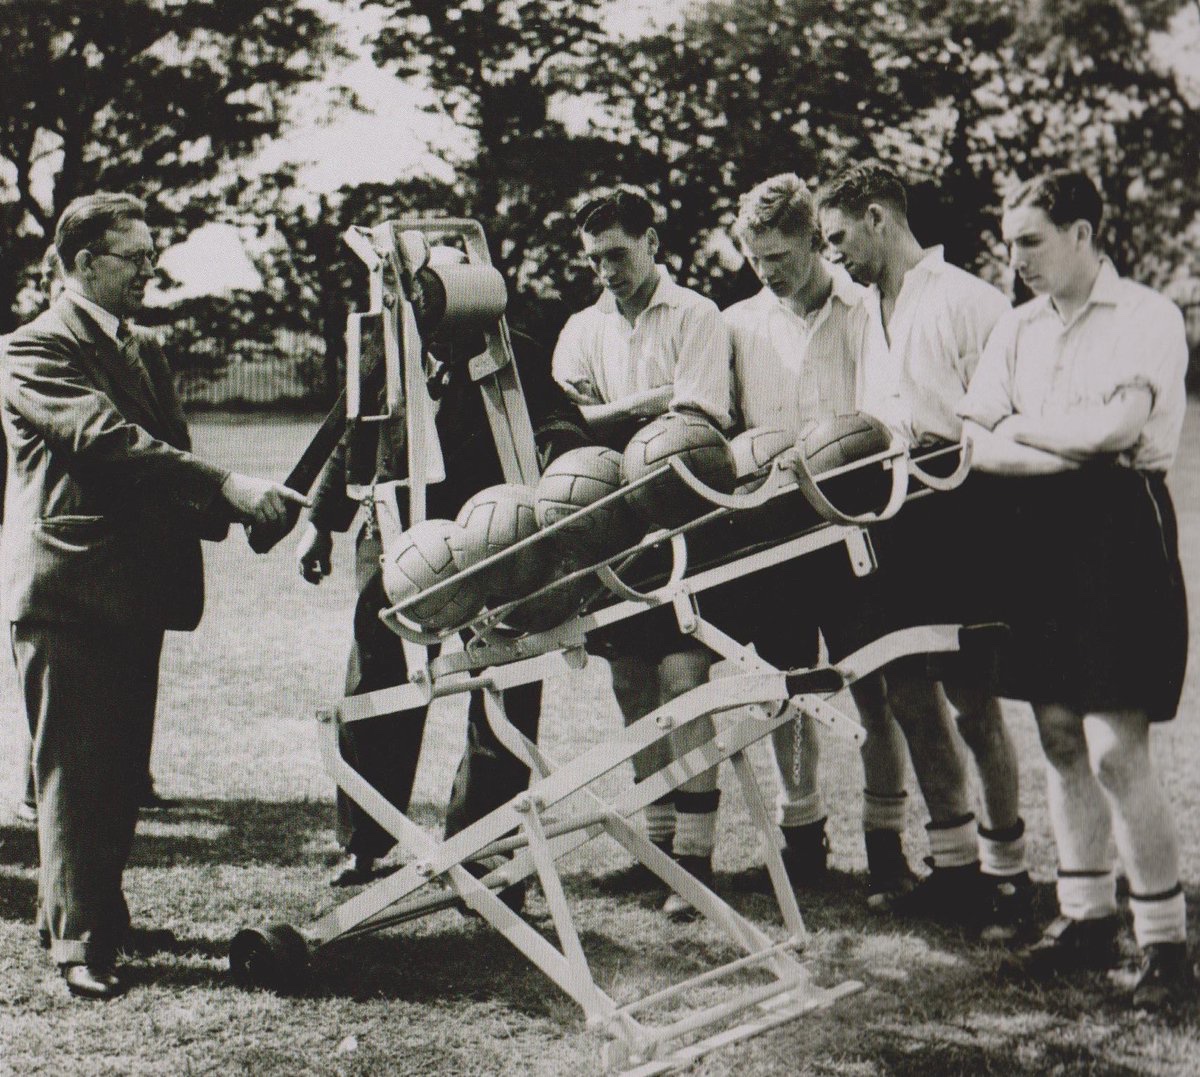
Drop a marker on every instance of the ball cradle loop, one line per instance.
(666, 500)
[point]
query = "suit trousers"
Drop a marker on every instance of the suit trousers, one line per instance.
(385, 749)
(89, 695)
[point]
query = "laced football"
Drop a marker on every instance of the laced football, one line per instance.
(667, 501)
(753, 450)
(844, 440)
(490, 522)
(421, 559)
(576, 480)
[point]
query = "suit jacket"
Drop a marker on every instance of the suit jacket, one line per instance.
(377, 450)
(105, 502)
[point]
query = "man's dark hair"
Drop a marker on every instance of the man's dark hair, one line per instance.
(622, 208)
(86, 220)
(1065, 196)
(856, 187)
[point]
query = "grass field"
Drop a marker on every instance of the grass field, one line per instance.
(252, 841)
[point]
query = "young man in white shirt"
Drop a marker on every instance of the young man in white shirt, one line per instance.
(935, 319)
(1079, 399)
(646, 346)
(801, 348)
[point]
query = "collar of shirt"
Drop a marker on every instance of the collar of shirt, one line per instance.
(1106, 291)
(844, 291)
(109, 323)
(932, 264)
(666, 293)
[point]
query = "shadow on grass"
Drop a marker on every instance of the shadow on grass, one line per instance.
(235, 832)
(18, 897)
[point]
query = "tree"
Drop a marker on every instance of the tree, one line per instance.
(156, 97)
(501, 70)
(964, 96)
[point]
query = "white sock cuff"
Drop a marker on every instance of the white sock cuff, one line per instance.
(1002, 852)
(801, 812)
(884, 812)
(1159, 917)
(1087, 895)
(696, 833)
(954, 845)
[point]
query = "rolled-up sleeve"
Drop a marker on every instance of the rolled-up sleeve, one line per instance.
(1151, 354)
(704, 370)
(569, 363)
(989, 396)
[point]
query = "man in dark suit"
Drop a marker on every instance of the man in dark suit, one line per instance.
(100, 556)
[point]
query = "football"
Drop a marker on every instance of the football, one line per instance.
(843, 440)
(667, 501)
(490, 522)
(753, 449)
(421, 559)
(574, 481)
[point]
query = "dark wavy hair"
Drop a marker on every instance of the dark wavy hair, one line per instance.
(1064, 195)
(854, 188)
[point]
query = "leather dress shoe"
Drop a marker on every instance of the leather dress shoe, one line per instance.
(93, 981)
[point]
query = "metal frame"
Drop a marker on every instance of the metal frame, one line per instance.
(746, 704)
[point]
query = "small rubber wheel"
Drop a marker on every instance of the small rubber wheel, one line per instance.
(275, 957)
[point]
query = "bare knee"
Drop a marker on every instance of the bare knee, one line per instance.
(1062, 736)
(635, 686)
(1120, 756)
(681, 672)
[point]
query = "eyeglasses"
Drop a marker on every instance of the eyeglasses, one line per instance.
(149, 259)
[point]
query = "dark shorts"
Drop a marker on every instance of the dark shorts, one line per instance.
(652, 635)
(1092, 588)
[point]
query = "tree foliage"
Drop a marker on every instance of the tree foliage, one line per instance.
(963, 96)
(156, 97)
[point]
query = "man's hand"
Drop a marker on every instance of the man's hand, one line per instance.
(260, 501)
(314, 553)
(582, 391)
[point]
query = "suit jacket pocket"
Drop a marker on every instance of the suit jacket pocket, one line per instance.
(75, 532)
(82, 570)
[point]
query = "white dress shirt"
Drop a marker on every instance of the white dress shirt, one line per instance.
(109, 323)
(790, 370)
(934, 339)
(679, 340)
(1125, 335)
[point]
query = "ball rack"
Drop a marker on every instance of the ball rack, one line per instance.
(568, 803)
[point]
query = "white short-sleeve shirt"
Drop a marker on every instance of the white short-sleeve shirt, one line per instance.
(942, 319)
(1124, 335)
(788, 369)
(679, 340)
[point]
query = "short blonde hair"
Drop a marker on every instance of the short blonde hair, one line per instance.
(783, 203)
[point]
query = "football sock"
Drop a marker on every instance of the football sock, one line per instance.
(1159, 917)
(1087, 895)
(953, 842)
(1002, 852)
